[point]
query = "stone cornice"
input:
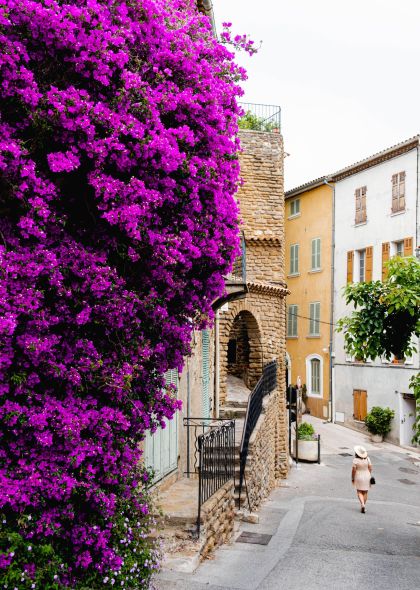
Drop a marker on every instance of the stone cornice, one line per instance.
(263, 240)
(268, 288)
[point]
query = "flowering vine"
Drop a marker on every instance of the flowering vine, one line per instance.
(118, 166)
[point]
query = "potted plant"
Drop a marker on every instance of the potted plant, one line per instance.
(307, 443)
(378, 422)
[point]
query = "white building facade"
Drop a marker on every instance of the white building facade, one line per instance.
(376, 217)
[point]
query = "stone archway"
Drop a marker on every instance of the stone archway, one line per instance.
(241, 353)
(244, 354)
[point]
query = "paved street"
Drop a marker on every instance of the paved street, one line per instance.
(320, 540)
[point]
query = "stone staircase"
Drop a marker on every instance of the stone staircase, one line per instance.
(235, 409)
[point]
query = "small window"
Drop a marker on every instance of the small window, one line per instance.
(294, 207)
(316, 254)
(398, 192)
(362, 266)
(314, 317)
(315, 377)
(292, 317)
(294, 259)
(314, 369)
(399, 248)
(360, 197)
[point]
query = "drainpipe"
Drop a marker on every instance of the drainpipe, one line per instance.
(331, 363)
(216, 364)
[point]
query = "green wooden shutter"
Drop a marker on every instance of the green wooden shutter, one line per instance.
(161, 448)
(205, 375)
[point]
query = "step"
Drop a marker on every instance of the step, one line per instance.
(234, 403)
(232, 412)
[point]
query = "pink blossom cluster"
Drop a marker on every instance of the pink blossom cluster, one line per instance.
(118, 166)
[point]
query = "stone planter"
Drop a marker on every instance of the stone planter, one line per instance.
(376, 438)
(307, 450)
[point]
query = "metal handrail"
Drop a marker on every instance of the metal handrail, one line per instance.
(214, 456)
(266, 384)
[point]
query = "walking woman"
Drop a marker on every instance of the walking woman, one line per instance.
(361, 474)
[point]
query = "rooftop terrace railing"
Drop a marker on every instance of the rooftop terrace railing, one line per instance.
(260, 117)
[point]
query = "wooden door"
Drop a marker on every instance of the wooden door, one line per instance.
(359, 404)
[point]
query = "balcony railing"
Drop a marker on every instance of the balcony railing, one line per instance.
(260, 117)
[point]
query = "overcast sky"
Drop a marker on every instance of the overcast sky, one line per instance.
(346, 75)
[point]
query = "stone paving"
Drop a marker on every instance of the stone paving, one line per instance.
(320, 540)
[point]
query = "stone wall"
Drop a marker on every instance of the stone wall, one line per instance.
(267, 455)
(218, 516)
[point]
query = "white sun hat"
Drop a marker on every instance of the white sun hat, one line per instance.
(360, 451)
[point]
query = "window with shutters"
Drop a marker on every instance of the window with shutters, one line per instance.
(294, 259)
(369, 264)
(359, 404)
(314, 317)
(408, 246)
(316, 254)
(398, 192)
(360, 196)
(205, 375)
(294, 208)
(362, 265)
(314, 378)
(292, 319)
(161, 447)
(385, 258)
(350, 259)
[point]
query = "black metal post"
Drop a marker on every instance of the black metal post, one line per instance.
(319, 449)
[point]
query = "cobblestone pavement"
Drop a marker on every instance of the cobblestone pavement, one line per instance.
(319, 538)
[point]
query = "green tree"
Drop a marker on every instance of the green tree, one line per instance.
(387, 314)
(386, 317)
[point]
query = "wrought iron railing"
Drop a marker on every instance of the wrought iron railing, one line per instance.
(266, 384)
(238, 272)
(214, 456)
(260, 117)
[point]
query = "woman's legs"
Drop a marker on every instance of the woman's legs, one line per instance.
(365, 495)
(361, 497)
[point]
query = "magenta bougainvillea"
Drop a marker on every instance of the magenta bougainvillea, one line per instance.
(118, 166)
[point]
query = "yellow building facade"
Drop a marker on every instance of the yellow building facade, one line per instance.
(309, 265)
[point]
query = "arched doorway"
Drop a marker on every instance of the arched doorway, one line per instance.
(245, 351)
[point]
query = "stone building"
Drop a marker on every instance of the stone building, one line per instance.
(252, 326)
(226, 365)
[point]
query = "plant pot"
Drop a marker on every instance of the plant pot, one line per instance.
(376, 438)
(307, 450)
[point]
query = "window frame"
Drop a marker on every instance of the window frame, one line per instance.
(292, 320)
(309, 391)
(313, 320)
(315, 254)
(360, 195)
(293, 203)
(359, 256)
(294, 259)
(398, 181)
